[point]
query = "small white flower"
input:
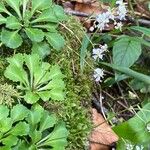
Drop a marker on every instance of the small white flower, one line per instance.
(91, 29)
(118, 26)
(139, 147)
(119, 2)
(109, 14)
(104, 47)
(121, 10)
(97, 53)
(129, 146)
(148, 127)
(98, 74)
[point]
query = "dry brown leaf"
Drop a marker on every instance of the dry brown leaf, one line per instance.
(102, 133)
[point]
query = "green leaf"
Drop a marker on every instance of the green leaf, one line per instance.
(2, 20)
(57, 139)
(47, 121)
(36, 35)
(10, 140)
(55, 72)
(15, 71)
(42, 49)
(3, 9)
(22, 128)
(144, 30)
(35, 136)
(35, 115)
(13, 23)
(19, 112)
(4, 112)
(55, 40)
(44, 95)
(126, 51)
(11, 39)
(47, 15)
(36, 75)
(15, 4)
(136, 128)
(31, 97)
(40, 5)
(59, 12)
(5, 124)
(54, 84)
(49, 27)
(83, 51)
(57, 94)
(141, 77)
(24, 3)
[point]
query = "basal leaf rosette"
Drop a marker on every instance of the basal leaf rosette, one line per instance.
(37, 80)
(37, 19)
(35, 129)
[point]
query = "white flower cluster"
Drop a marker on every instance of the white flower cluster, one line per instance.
(98, 74)
(98, 53)
(102, 20)
(121, 10)
(130, 146)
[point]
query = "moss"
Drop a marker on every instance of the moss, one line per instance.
(75, 109)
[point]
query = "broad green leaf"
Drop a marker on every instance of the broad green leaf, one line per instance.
(51, 27)
(22, 128)
(47, 121)
(3, 9)
(19, 112)
(15, 72)
(13, 23)
(5, 124)
(44, 95)
(15, 4)
(10, 140)
(144, 30)
(4, 112)
(55, 72)
(59, 12)
(42, 49)
(35, 135)
(42, 75)
(47, 15)
(40, 5)
(24, 3)
(57, 139)
(57, 94)
(11, 39)
(32, 62)
(31, 97)
(35, 35)
(35, 115)
(54, 84)
(126, 51)
(55, 40)
(136, 127)
(2, 20)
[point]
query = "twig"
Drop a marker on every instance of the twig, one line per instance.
(130, 19)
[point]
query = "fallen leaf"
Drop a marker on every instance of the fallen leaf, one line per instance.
(102, 135)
